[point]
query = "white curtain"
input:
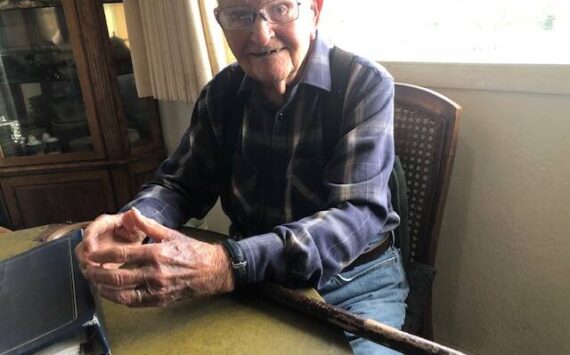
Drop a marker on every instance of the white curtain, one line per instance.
(176, 47)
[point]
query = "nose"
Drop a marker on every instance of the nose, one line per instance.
(262, 31)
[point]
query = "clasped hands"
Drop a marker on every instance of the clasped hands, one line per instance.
(128, 272)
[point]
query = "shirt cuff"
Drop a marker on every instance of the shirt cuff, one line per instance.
(264, 255)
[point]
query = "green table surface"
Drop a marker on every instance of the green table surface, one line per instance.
(226, 324)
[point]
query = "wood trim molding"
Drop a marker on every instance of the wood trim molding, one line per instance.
(102, 76)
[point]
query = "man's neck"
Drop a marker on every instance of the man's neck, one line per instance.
(277, 92)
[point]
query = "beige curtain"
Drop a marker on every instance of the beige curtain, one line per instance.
(176, 46)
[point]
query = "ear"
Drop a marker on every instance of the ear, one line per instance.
(316, 7)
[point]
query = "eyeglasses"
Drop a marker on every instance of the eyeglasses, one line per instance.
(241, 17)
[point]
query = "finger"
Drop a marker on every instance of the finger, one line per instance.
(150, 227)
(136, 254)
(129, 230)
(148, 299)
(138, 297)
(102, 224)
(129, 235)
(81, 255)
(82, 258)
(127, 297)
(117, 278)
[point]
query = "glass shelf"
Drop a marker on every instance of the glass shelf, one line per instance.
(14, 5)
(41, 106)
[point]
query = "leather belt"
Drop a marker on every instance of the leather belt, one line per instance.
(371, 254)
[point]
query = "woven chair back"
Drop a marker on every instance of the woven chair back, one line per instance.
(426, 127)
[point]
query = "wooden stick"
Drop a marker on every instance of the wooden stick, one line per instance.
(360, 326)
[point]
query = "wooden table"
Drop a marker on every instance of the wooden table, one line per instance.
(219, 325)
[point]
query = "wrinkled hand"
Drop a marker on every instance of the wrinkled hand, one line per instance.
(108, 231)
(174, 267)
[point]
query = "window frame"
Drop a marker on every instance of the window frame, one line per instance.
(525, 78)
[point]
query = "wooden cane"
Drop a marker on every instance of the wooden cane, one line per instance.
(357, 325)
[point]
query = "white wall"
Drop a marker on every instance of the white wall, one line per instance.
(175, 117)
(503, 285)
(503, 282)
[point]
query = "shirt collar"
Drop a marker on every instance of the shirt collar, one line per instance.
(317, 71)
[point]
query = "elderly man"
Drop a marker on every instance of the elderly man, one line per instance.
(304, 212)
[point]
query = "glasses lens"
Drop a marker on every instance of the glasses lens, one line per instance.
(241, 17)
(281, 11)
(236, 17)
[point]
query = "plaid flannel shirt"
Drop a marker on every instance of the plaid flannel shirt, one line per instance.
(302, 213)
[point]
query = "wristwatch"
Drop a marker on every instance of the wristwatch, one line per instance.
(239, 263)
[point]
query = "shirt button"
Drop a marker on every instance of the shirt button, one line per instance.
(281, 115)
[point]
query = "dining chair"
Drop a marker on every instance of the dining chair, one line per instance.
(426, 125)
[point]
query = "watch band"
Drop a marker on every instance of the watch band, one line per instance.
(239, 263)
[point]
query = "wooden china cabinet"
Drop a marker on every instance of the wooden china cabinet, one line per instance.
(75, 139)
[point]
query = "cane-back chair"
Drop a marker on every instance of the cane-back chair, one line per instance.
(426, 127)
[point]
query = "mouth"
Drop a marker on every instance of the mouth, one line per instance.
(267, 52)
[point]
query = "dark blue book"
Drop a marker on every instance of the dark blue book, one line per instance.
(45, 301)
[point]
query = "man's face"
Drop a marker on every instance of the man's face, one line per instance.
(273, 54)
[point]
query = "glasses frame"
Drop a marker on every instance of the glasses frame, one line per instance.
(260, 12)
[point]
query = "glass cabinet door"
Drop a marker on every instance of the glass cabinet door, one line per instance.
(141, 114)
(41, 106)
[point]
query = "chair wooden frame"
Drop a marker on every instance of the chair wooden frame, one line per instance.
(426, 126)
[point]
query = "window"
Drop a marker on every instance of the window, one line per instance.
(460, 31)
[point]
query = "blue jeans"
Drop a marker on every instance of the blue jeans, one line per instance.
(377, 290)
